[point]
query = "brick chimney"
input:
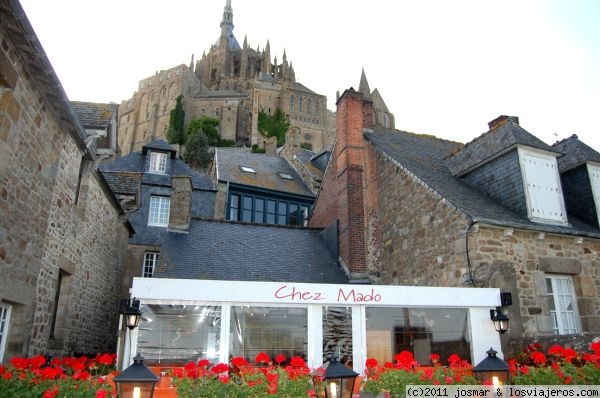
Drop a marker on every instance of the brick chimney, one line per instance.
(502, 119)
(180, 211)
(344, 190)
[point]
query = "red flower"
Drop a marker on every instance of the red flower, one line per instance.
(239, 361)
(595, 346)
(435, 358)
(2, 369)
(371, 363)
(203, 363)
(556, 350)
(105, 359)
(524, 369)
(7, 375)
(262, 357)
(51, 393)
(454, 360)
(280, 358)
(538, 357)
(223, 377)
(190, 366)
(297, 362)
(83, 375)
(405, 359)
(38, 361)
(449, 380)
(101, 393)
(50, 373)
(569, 354)
(19, 363)
(568, 380)
(220, 368)
(388, 365)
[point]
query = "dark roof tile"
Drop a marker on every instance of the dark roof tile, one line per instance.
(576, 153)
(94, 115)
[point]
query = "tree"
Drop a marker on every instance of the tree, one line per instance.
(275, 125)
(196, 153)
(208, 126)
(175, 134)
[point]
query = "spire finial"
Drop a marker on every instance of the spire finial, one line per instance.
(363, 86)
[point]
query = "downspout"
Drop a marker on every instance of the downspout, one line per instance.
(470, 270)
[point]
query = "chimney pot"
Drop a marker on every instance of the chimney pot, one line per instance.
(500, 120)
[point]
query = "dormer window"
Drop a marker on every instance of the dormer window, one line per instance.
(158, 162)
(594, 173)
(543, 191)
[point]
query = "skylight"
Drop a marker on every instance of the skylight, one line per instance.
(285, 176)
(247, 169)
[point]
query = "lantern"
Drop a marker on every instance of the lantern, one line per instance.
(339, 380)
(132, 312)
(500, 320)
(492, 368)
(137, 381)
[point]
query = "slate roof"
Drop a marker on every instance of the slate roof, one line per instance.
(423, 155)
(302, 87)
(266, 168)
(135, 162)
(490, 144)
(160, 145)
(223, 250)
(576, 153)
(306, 157)
(94, 115)
(124, 183)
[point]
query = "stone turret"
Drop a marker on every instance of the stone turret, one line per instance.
(266, 68)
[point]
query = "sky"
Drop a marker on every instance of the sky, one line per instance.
(444, 68)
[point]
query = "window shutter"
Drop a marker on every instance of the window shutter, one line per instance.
(594, 173)
(544, 195)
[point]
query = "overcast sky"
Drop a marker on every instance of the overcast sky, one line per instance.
(443, 67)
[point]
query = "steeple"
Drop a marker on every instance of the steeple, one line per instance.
(363, 87)
(227, 21)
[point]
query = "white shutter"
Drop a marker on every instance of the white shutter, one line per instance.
(594, 173)
(542, 183)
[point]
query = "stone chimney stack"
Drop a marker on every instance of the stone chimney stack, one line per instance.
(503, 119)
(181, 204)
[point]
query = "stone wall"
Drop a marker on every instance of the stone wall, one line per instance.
(52, 222)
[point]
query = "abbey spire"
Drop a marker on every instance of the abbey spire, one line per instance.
(227, 21)
(363, 86)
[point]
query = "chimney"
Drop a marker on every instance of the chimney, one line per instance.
(501, 120)
(180, 212)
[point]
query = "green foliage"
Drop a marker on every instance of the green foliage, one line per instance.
(207, 125)
(226, 143)
(196, 151)
(275, 125)
(175, 134)
(306, 145)
(256, 149)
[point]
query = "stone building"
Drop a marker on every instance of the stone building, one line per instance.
(232, 83)
(421, 211)
(62, 232)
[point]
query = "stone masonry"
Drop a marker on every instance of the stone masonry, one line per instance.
(61, 233)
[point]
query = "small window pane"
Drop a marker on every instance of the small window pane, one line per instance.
(159, 211)
(270, 211)
(247, 209)
(294, 215)
(259, 212)
(337, 333)
(150, 260)
(282, 213)
(158, 162)
(234, 207)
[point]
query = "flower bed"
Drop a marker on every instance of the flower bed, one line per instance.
(71, 377)
(84, 377)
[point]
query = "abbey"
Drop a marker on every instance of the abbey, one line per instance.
(232, 83)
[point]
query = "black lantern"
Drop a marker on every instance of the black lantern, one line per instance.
(137, 381)
(132, 312)
(339, 380)
(500, 320)
(492, 369)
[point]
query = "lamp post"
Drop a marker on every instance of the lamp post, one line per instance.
(137, 381)
(492, 368)
(339, 380)
(500, 320)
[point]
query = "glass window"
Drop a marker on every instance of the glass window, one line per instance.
(273, 330)
(282, 213)
(304, 215)
(4, 320)
(158, 162)
(171, 335)
(422, 331)
(234, 207)
(247, 209)
(270, 211)
(159, 211)
(247, 169)
(562, 303)
(337, 334)
(259, 210)
(150, 260)
(294, 214)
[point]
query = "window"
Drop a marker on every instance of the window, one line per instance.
(159, 211)
(247, 208)
(542, 186)
(259, 210)
(273, 330)
(422, 331)
(4, 320)
(563, 307)
(594, 173)
(251, 208)
(234, 207)
(247, 169)
(285, 176)
(158, 162)
(150, 261)
(282, 213)
(270, 212)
